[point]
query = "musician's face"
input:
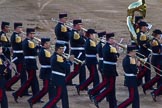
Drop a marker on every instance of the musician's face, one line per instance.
(64, 19)
(112, 40)
(133, 53)
(145, 28)
(7, 28)
(93, 36)
(158, 36)
(80, 26)
(61, 50)
(47, 45)
(19, 29)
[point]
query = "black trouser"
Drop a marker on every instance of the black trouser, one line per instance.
(3, 97)
(133, 98)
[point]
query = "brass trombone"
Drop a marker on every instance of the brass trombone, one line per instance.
(37, 39)
(144, 60)
(66, 56)
(122, 46)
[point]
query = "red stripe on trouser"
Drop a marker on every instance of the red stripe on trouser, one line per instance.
(89, 80)
(107, 90)
(142, 73)
(56, 98)
(149, 84)
(99, 87)
(72, 74)
(15, 78)
(158, 91)
(128, 101)
(25, 86)
(41, 93)
(1, 95)
(154, 80)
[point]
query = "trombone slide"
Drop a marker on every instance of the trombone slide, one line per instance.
(75, 59)
(37, 39)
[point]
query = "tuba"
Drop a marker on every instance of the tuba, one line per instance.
(139, 6)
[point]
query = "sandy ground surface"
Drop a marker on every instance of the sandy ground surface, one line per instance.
(109, 15)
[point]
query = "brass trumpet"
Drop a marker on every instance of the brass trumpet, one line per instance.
(66, 56)
(37, 39)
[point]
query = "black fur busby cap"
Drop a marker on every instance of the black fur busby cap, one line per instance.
(30, 30)
(157, 31)
(44, 40)
(91, 31)
(101, 34)
(77, 21)
(17, 25)
(62, 15)
(137, 18)
(109, 35)
(142, 23)
(131, 48)
(59, 45)
(3, 24)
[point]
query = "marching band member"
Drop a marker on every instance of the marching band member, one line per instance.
(62, 32)
(45, 71)
(63, 37)
(92, 92)
(100, 45)
(138, 19)
(6, 44)
(130, 69)
(144, 45)
(58, 66)
(156, 61)
(77, 43)
(18, 57)
(91, 61)
(3, 97)
(30, 53)
(110, 56)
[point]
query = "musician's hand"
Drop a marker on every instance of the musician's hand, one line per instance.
(138, 63)
(5, 63)
(10, 67)
(160, 39)
(71, 58)
(144, 45)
